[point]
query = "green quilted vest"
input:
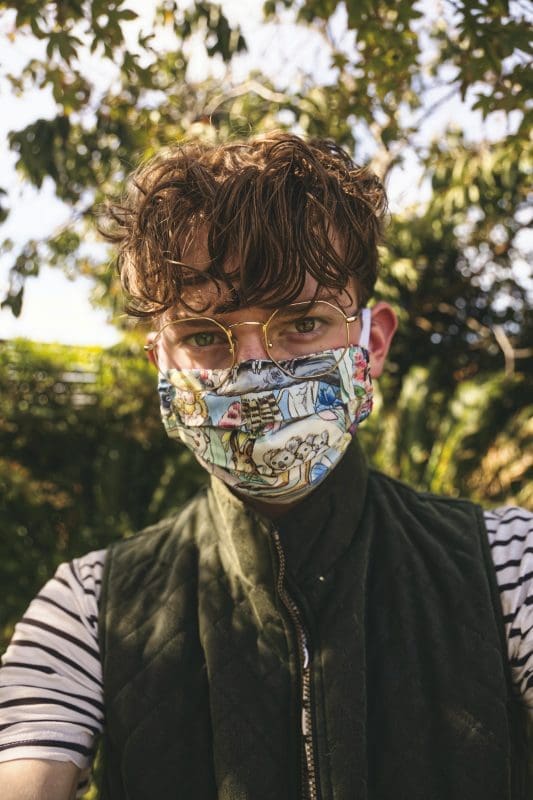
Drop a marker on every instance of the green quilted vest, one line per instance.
(405, 674)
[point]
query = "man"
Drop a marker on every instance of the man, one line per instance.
(305, 628)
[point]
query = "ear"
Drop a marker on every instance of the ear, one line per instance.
(293, 444)
(382, 330)
(150, 353)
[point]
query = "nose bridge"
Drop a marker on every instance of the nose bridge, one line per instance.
(252, 344)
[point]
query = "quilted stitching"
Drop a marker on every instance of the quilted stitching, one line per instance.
(239, 661)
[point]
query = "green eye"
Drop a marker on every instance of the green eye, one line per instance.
(305, 325)
(202, 339)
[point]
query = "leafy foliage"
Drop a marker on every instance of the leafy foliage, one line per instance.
(472, 441)
(392, 66)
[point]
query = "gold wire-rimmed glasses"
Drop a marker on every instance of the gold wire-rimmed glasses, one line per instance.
(296, 330)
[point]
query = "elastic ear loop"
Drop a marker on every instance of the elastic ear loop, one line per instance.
(366, 319)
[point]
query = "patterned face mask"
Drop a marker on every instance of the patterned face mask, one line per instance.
(268, 433)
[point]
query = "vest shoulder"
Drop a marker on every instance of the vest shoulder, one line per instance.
(177, 528)
(138, 570)
(428, 523)
(386, 486)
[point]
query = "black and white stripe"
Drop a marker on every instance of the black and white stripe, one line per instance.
(51, 680)
(51, 703)
(510, 532)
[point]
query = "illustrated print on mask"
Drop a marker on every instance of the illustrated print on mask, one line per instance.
(269, 433)
(187, 402)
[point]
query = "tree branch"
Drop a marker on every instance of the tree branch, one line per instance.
(244, 88)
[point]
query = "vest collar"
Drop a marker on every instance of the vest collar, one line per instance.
(315, 533)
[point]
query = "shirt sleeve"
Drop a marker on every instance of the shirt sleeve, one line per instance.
(510, 533)
(51, 704)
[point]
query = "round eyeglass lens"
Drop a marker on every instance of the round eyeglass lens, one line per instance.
(304, 328)
(199, 343)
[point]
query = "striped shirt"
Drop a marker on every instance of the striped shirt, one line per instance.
(51, 704)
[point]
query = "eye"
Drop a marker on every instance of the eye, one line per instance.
(195, 334)
(305, 325)
(202, 339)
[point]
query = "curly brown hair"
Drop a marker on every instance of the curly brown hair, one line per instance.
(269, 210)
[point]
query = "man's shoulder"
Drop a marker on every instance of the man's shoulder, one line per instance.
(146, 569)
(178, 528)
(390, 486)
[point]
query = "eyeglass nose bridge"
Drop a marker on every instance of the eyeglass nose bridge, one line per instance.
(245, 322)
(262, 325)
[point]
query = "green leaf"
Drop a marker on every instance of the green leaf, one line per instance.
(127, 15)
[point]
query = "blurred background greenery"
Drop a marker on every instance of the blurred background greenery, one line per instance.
(83, 457)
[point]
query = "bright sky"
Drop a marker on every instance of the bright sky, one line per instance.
(57, 309)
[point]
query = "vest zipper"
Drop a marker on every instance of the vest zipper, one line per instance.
(305, 670)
